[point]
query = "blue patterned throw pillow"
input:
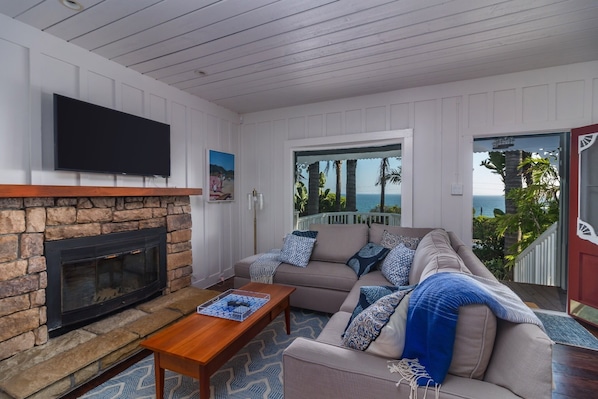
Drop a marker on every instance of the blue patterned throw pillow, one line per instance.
(397, 264)
(366, 258)
(366, 327)
(306, 233)
(296, 250)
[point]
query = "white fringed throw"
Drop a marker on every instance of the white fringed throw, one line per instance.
(263, 268)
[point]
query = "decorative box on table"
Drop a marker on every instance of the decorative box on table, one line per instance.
(234, 304)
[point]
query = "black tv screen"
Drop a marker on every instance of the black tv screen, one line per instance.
(91, 138)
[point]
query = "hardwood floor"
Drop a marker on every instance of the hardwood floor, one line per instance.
(575, 370)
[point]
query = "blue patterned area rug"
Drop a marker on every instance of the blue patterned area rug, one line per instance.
(564, 329)
(254, 372)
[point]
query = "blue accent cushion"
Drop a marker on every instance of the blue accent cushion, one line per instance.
(296, 250)
(397, 264)
(366, 327)
(306, 233)
(366, 258)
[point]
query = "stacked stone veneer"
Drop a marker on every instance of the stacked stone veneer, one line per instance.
(26, 223)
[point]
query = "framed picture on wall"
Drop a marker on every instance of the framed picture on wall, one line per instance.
(221, 176)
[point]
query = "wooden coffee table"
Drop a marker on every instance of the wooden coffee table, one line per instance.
(199, 345)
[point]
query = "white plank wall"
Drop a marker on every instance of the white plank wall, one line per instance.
(445, 119)
(35, 65)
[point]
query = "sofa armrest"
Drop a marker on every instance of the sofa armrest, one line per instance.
(314, 369)
(521, 360)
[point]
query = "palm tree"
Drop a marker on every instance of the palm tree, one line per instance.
(382, 179)
(337, 201)
(351, 204)
(313, 196)
(513, 181)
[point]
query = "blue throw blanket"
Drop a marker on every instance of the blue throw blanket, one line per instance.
(432, 320)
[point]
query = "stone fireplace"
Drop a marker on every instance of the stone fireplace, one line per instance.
(35, 217)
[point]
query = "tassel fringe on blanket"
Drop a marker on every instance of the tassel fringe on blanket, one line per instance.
(263, 268)
(410, 371)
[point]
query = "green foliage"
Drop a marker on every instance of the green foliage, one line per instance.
(488, 246)
(537, 205)
(327, 199)
(387, 209)
(537, 208)
(328, 202)
(300, 198)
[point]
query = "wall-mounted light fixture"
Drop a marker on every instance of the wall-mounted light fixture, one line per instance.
(255, 201)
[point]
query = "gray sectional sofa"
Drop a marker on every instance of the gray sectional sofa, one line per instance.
(492, 358)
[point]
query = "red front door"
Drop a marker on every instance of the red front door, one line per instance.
(583, 225)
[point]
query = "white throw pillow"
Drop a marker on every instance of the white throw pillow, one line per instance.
(391, 341)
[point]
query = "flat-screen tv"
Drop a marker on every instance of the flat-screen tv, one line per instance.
(91, 138)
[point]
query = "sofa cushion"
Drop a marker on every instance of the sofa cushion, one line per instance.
(390, 240)
(474, 341)
(434, 253)
(297, 250)
(338, 242)
(367, 325)
(317, 274)
(397, 264)
(366, 258)
(376, 231)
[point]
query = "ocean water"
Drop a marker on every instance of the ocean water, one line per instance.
(485, 204)
(482, 204)
(367, 202)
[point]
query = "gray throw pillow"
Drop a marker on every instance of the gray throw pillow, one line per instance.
(390, 240)
(296, 250)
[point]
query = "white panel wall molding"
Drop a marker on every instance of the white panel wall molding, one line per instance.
(35, 65)
(537, 101)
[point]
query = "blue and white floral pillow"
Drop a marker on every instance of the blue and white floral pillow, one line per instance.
(367, 326)
(296, 250)
(397, 264)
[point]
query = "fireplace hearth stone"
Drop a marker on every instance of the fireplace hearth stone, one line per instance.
(66, 362)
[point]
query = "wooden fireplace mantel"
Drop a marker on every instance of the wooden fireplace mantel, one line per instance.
(30, 191)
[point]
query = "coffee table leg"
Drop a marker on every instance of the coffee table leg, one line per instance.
(287, 318)
(159, 371)
(204, 383)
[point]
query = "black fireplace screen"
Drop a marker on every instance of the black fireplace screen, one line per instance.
(94, 276)
(89, 282)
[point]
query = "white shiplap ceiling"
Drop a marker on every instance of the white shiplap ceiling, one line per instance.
(251, 55)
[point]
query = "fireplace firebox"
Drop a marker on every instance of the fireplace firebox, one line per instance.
(92, 277)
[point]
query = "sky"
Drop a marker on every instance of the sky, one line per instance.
(366, 176)
(484, 181)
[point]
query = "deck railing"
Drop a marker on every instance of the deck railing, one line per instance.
(537, 263)
(390, 219)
